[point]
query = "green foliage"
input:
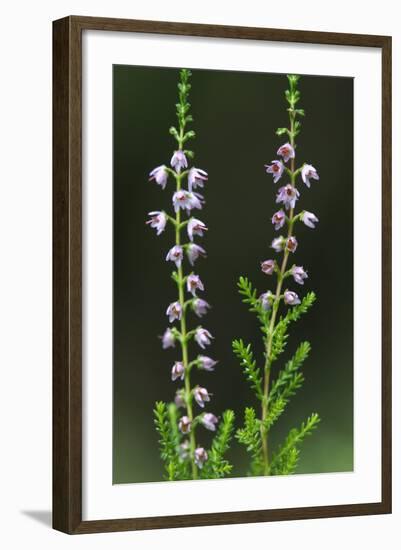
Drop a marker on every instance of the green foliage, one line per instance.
(279, 340)
(289, 378)
(252, 372)
(285, 460)
(295, 312)
(166, 441)
(251, 298)
(290, 464)
(250, 436)
(275, 410)
(280, 335)
(254, 433)
(292, 95)
(281, 131)
(217, 466)
(169, 439)
(183, 106)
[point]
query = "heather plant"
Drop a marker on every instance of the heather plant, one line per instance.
(275, 311)
(179, 423)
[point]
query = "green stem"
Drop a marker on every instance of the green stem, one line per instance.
(275, 308)
(184, 342)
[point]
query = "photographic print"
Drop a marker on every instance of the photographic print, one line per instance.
(222, 274)
(232, 274)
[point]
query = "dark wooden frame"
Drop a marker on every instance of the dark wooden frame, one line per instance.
(67, 279)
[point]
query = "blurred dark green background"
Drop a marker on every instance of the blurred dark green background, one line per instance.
(236, 115)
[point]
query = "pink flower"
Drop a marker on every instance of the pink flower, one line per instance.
(278, 219)
(174, 311)
(179, 398)
(276, 168)
(268, 266)
(175, 254)
(286, 151)
(200, 457)
(201, 396)
(278, 244)
(291, 244)
(194, 251)
(266, 300)
(187, 200)
(183, 450)
(178, 371)
(196, 177)
(209, 420)
(179, 161)
(206, 363)
(203, 337)
(194, 283)
(168, 339)
(299, 274)
(288, 195)
(157, 221)
(200, 307)
(180, 200)
(195, 227)
(309, 219)
(159, 175)
(308, 172)
(184, 425)
(291, 298)
(195, 200)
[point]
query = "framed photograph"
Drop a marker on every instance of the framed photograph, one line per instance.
(222, 275)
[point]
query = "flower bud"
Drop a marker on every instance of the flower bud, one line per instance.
(209, 420)
(268, 267)
(184, 425)
(178, 371)
(291, 298)
(174, 311)
(308, 172)
(157, 221)
(179, 161)
(200, 457)
(286, 151)
(159, 175)
(203, 337)
(276, 168)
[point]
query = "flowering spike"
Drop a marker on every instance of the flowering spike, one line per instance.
(185, 458)
(274, 397)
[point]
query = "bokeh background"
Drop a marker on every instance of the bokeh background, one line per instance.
(236, 115)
